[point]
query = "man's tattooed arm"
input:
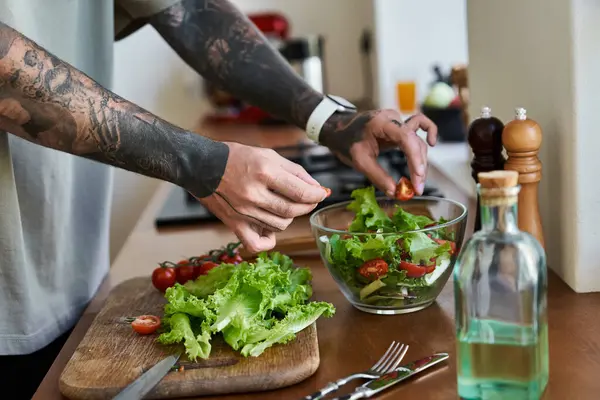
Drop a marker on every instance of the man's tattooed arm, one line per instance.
(223, 45)
(47, 101)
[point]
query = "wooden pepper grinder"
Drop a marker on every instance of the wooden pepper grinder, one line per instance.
(485, 138)
(522, 139)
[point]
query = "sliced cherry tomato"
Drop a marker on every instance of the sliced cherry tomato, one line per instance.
(327, 190)
(164, 277)
(374, 269)
(415, 270)
(205, 267)
(404, 189)
(442, 241)
(185, 272)
(146, 324)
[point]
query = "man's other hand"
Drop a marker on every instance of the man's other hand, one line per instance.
(358, 138)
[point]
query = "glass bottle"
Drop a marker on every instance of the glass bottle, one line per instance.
(500, 287)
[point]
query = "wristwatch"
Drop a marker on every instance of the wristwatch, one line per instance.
(326, 108)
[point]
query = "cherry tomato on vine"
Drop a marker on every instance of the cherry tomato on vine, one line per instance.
(205, 267)
(164, 277)
(185, 272)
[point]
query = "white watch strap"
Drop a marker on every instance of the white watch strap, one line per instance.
(319, 116)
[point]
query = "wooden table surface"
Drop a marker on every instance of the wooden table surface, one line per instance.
(353, 340)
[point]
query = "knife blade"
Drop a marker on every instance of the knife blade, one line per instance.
(401, 373)
(148, 380)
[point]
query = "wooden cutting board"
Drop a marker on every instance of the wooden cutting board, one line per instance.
(112, 355)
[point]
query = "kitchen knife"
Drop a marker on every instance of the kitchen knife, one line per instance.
(142, 385)
(385, 381)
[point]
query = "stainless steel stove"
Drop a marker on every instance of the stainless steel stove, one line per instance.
(182, 209)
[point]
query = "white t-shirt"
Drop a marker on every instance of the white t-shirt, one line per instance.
(55, 207)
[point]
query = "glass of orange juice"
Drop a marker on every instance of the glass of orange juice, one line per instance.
(406, 95)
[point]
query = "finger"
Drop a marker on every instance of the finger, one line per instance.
(406, 138)
(424, 158)
(300, 172)
(252, 214)
(296, 189)
(281, 206)
(369, 166)
(263, 218)
(416, 162)
(420, 121)
(254, 238)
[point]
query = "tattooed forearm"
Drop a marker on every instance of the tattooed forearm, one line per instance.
(219, 42)
(48, 102)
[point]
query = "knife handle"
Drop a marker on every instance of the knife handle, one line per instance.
(333, 386)
(360, 393)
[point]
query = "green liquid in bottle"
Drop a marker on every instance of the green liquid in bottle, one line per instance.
(502, 361)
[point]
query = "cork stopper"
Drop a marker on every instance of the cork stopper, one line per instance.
(498, 179)
(499, 187)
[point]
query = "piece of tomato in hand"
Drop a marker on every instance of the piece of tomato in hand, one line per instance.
(374, 269)
(327, 190)
(164, 277)
(146, 324)
(404, 189)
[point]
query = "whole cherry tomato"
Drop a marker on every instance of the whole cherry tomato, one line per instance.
(185, 271)
(164, 277)
(404, 189)
(146, 324)
(374, 269)
(230, 259)
(205, 267)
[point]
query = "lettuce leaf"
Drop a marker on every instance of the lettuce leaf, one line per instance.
(243, 303)
(368, 215)
(405, 221)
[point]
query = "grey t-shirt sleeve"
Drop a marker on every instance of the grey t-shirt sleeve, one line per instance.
(131, 15)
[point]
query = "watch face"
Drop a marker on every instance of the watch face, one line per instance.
(343, 102)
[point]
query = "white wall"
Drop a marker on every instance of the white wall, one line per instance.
(149, 73)
(340, 21)
(547, 62)
(412, 36)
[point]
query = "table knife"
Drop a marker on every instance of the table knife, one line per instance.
(385, 381)
(144, 384)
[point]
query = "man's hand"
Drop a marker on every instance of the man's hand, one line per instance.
(261, 193)
(357, 139)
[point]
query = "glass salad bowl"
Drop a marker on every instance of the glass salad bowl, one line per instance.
(389, 256)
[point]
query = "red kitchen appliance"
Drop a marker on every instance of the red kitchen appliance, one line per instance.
(307, 51)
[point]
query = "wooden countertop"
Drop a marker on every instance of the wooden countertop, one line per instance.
(353, 340)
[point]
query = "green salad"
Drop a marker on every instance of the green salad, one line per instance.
(251, 305)
(390, 266)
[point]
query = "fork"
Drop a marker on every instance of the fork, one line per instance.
(387, 363)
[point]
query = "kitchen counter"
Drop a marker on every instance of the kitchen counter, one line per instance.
(353, 340)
